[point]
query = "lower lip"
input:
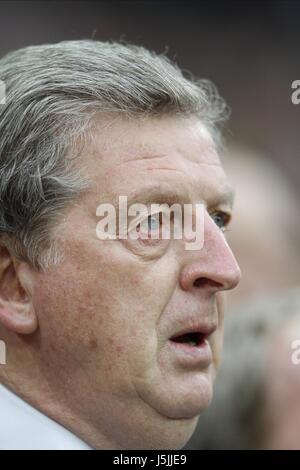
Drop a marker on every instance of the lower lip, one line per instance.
(186, 354)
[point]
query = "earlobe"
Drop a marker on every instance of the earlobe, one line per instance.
(16, 317)
(16, 310)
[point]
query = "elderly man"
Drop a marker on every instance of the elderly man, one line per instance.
(110, 343)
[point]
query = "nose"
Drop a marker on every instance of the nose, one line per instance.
(213, 267)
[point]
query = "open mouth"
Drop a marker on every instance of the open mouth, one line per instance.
(193, 339)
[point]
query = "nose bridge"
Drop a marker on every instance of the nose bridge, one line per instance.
(214, 265)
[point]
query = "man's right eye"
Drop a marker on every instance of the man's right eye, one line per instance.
(146, 238)
(150, 225)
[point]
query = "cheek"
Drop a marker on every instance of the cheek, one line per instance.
(67, 310)
(100, 314)
(102, 305)
(217, 343)
(80, 327)
(217, 340)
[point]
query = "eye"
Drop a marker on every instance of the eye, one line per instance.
(221, 219)
(150, 224)
(147, 237)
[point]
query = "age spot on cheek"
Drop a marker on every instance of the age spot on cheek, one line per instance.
(119, 349)
(93, 344)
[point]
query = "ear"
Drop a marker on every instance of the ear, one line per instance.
(16, 310)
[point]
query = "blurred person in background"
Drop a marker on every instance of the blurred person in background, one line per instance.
(256, 401)
(265, 232)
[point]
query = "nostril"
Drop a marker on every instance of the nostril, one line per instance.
(205, 281)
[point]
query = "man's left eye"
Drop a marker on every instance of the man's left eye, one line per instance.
(221, 219)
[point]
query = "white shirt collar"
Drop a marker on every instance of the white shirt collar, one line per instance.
(23, 427)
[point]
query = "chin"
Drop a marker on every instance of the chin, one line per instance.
(190, 403)
(182, 399)
(173, 434)
(174, 403)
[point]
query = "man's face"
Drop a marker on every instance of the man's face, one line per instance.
(108, 313)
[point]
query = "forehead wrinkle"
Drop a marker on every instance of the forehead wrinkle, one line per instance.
(140, 162)
(145, 157)
(181, 163)
(147, 152)
(217, 163)
(165, 169)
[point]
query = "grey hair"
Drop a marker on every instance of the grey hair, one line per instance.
(235, 419)
(53, 94)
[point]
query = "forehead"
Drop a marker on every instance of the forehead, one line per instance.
(171, 153)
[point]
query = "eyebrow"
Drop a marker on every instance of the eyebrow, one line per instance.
(226, 196)
(165, 194)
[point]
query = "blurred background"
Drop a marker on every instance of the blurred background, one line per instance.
(251, 51)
